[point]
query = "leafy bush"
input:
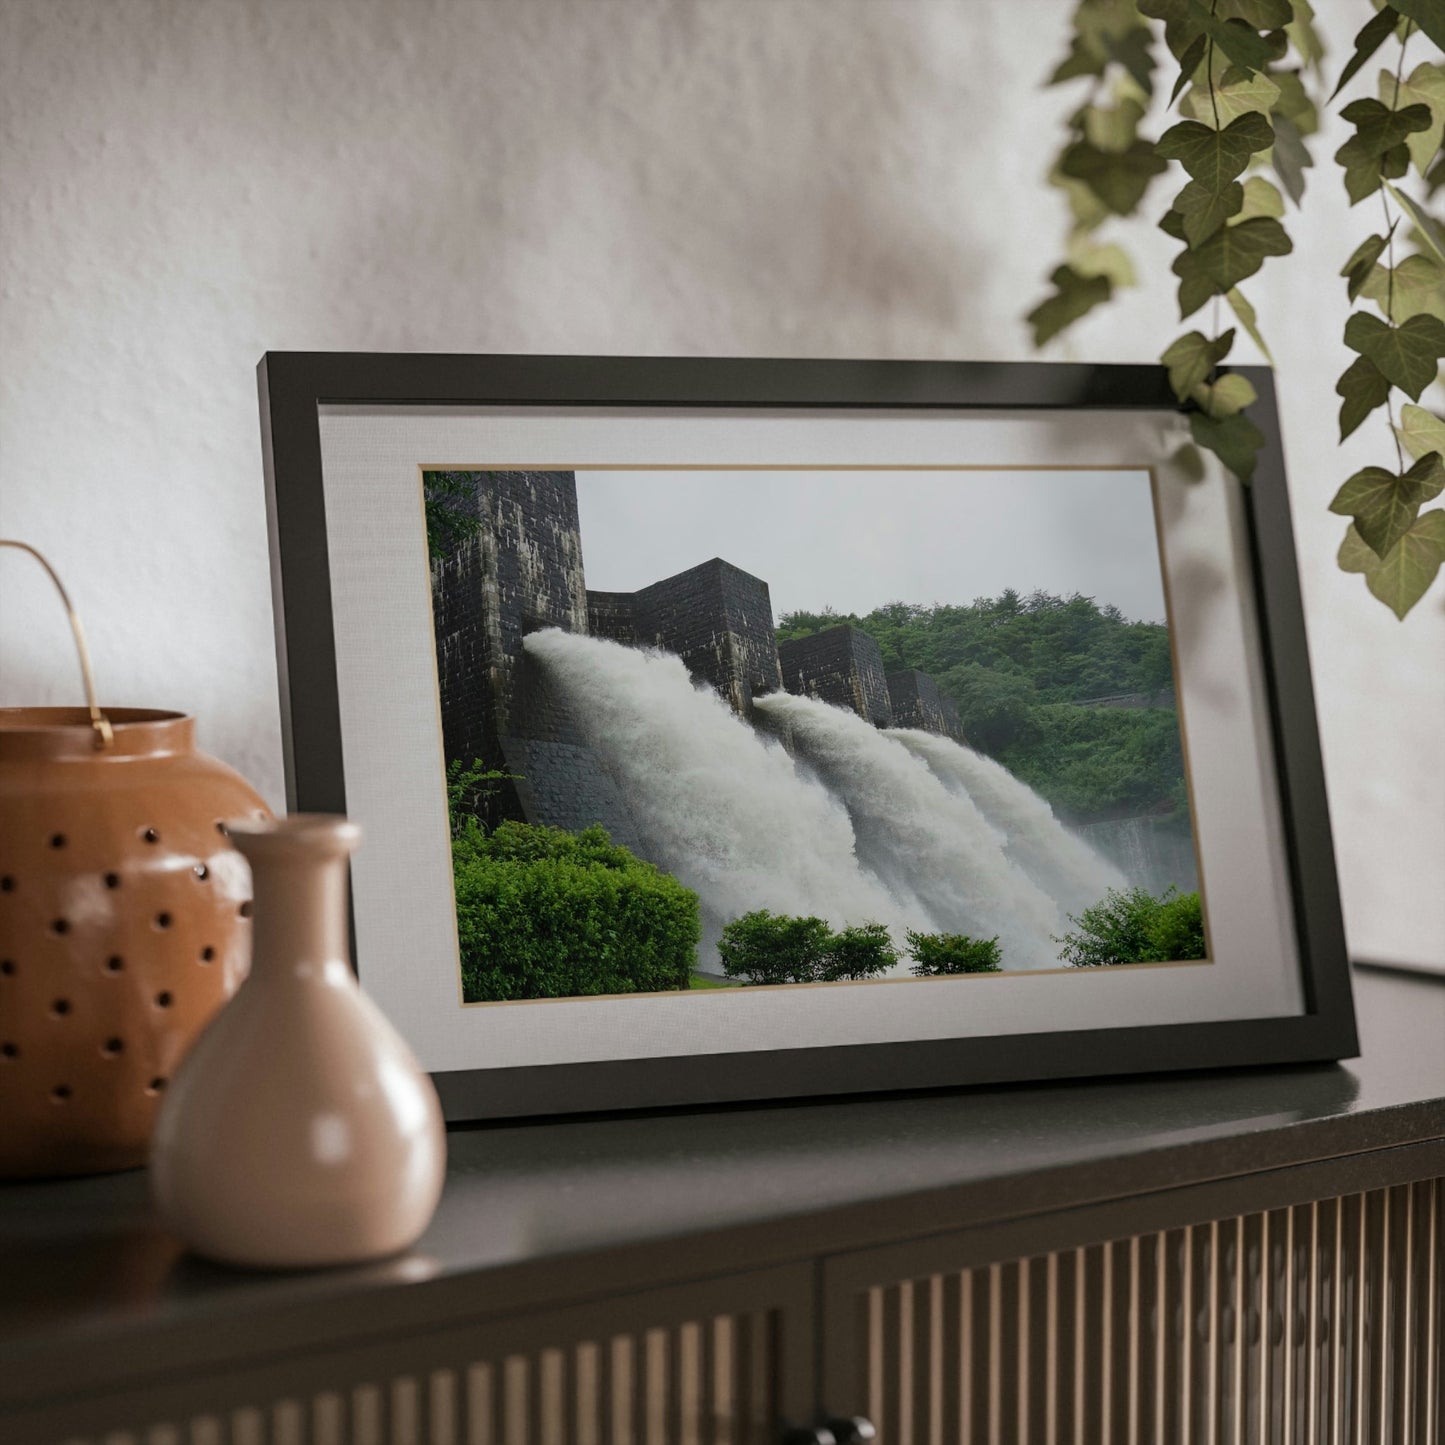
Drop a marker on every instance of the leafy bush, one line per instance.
(1177, 932)
(1136, 927)
(762, 947)
(938, 954)
(863, 951)
(469, 790)
(543, 913)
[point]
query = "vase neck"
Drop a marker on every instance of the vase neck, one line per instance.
(299, 877)
(300, 914)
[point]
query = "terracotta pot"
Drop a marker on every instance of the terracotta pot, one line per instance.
(123, 927)
(299, 1130)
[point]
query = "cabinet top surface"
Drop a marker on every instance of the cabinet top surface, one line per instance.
(84, 1260)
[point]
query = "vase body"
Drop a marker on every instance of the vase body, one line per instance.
(123, 927)
(299, 1130)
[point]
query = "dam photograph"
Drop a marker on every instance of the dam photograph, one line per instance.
(714, 729)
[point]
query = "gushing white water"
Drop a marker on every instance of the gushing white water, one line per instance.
(1059, 861)
(917, 833)
(721, 807)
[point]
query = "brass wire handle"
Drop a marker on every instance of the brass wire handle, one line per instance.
(104, 736)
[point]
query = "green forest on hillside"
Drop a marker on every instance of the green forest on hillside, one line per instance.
(1018, 669)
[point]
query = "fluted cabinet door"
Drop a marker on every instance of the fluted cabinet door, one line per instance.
(720, 1362)
(1309, 1324)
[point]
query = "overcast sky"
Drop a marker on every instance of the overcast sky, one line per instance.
(855, 540)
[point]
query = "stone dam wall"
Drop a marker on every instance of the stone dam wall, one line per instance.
(513, 564)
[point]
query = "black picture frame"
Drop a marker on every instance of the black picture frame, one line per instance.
(295, 385)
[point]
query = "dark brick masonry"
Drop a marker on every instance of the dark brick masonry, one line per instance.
(521, 572)
(717, 618)
(917, 703)
(842, 666)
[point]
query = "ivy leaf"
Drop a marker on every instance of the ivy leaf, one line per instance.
(1088, 211)
(1235, 440)
(1429, 15)
(1420, 431)
(1407, 355)
(1113, 128)
(1303, 35)
(1075, 296)
(1134, 52)
(1425, 86)
(1371, 37)
(1192, 357)
(1261, 199)
(1189, 62)
(1403, 576)
(1238, 92)
(1384, 506)
(1379, 129)
(1118, 178)
(1216, 157)
(1364, 179)
(1425, 223)
(1172, 224)
(1362, 261)
(1204, 211)
(1363, 388)
(1226, 396)
(1238, 39)
(1418, 288)
(1262, 14)
(1435, 176)
(1083, 59)
(1294, 101)
(1182, 29)
(1291, 157)
(1242, 309)
(1230, 255)
(1089, 258)
(1377, 149)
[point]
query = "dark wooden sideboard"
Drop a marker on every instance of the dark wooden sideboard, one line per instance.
(1254, 1255)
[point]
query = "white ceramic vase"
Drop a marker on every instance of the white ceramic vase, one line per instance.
(299, 1130)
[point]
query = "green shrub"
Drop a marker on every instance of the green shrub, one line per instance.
(543, 913)
(470, 790)
(938, 954)
(862, 951)
(762, 947)
(1177, 933)
(1136, 927)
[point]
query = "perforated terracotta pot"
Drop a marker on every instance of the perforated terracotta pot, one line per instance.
(124, 914)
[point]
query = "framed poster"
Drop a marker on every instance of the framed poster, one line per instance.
(744, 729)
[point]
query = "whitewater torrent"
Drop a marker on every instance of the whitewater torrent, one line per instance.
(721, 807)
(1060, 862)
(916, 833)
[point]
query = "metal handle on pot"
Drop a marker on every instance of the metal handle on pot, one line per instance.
(104, 737)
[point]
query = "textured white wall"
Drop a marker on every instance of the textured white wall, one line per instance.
(185, 185)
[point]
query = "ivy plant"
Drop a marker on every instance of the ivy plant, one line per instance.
(1394, 538)
(1243, 75)
(1106, 166)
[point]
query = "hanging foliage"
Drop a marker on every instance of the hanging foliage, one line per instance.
(1395, 539)
(1106, 166)
(1240, 147)
(1241, 93)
